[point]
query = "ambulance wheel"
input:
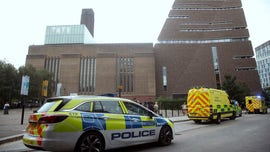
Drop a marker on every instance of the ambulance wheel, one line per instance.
(197, 121)
(218, 120)
(233, 116)
(91, 142)
(165, 136)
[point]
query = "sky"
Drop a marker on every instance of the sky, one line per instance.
(23, 22)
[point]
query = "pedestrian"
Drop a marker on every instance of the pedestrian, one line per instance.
(6, 106)
(184, 108)
(136, 100)
(151, 106)
(156, 107)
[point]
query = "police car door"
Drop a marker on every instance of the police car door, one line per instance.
(140, 127)
(113, 120)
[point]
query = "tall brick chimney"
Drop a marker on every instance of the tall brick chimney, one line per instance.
(87, 18)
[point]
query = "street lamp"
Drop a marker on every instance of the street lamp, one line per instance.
(120, 87)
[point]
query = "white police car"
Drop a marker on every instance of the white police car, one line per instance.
(94, 123)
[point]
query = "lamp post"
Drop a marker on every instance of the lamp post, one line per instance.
(120, 87)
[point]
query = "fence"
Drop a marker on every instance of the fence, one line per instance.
(170, 109)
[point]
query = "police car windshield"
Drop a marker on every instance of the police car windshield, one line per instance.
(51, 102)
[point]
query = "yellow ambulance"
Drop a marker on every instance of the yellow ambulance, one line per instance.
(255, 104)
(207, 104)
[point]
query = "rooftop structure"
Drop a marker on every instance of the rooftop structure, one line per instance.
(68, 34)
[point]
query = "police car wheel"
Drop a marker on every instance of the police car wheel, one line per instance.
(165, 136)
(90, 142)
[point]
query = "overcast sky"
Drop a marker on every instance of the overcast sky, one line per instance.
(23, 22)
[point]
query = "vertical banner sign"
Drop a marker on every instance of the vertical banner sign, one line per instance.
(25, 85)
(24, 91)
(45, 88)
(58, 90)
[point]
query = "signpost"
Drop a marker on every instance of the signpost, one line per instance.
(24, 92)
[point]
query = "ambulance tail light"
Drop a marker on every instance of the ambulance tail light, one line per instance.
(52, 119)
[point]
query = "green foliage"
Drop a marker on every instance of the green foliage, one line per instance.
(10, 82)
(266, 94)
(9, 86)
(236, 90)
(36, 78)
(167, 103)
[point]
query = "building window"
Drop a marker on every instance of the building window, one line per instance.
(202, 41)
(125, 74)
(216, 67)
(164, 77)
(245, 68)
(242, 57)
(87, 83)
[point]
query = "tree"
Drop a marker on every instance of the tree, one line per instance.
(9, 84)
(36, 78)
(236, 90)
(266, 94)
(11, 79)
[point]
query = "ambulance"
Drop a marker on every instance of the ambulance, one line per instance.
(207, 104)
(94, 123)
(256, 104)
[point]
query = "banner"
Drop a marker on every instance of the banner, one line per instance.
(44, 92)
(25, 85)
(58, 90)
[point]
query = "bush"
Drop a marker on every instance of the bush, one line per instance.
(172, 104)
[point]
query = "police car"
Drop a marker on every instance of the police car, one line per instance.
(94, 123)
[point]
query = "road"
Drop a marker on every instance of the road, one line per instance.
(249, 133)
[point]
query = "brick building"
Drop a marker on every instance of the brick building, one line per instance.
(91, 69)
(200, 43)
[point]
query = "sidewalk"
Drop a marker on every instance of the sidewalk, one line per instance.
(10, 125)
(11, 128)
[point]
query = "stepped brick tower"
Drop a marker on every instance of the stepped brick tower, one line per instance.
(200, 43)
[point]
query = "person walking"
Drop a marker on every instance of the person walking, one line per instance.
(156, 107)
(151, 106)
(6, 106)
(184, 108)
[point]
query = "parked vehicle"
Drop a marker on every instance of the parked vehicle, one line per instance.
(256, 104)
(95, 123)
(237, 107)
(207, 104)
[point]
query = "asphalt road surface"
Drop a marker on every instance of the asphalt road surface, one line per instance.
(249, 133)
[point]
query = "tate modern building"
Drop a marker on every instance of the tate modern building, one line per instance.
(200, 43)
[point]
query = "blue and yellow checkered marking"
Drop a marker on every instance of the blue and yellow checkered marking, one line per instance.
(92, 121)
(118, 122)
(132, 123)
